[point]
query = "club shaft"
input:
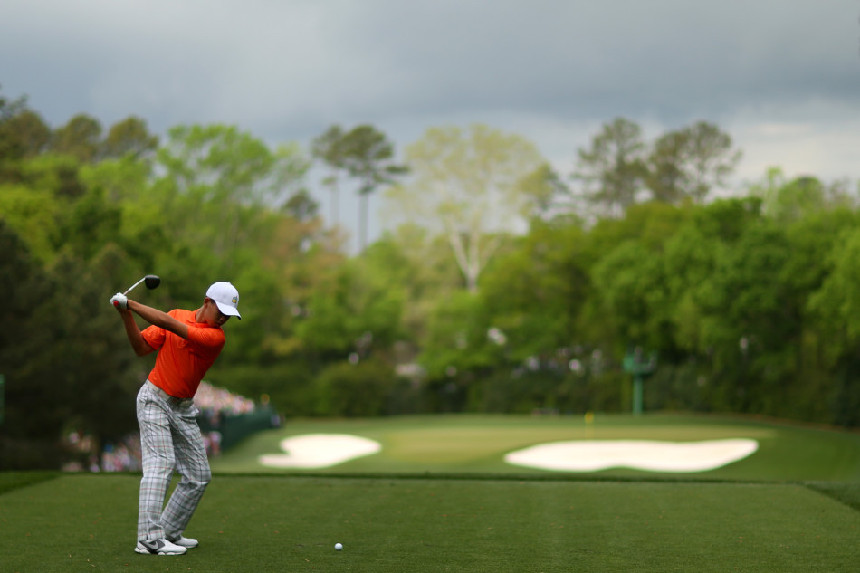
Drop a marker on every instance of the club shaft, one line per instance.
(132, 287)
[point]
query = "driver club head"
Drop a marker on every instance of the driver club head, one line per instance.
(151, 281)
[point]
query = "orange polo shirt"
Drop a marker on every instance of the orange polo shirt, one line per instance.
(181, 363)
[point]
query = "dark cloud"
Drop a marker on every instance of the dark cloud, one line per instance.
(552, 70)
(302, 61)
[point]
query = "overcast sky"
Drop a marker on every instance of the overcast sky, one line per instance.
(782, 77)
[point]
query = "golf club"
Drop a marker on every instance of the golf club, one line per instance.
(152, 282)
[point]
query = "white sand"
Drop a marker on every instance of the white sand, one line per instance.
(319, 451)
(592, 456)
(325, 450)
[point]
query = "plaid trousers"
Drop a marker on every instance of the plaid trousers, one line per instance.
(170, 439)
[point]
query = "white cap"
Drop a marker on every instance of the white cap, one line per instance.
(226, 298)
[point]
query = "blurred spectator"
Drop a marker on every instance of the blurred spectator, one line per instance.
(213, 443)
(124, 456)
(221, 401)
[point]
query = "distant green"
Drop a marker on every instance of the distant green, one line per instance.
(457, 444)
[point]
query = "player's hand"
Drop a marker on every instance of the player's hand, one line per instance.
(119, 301)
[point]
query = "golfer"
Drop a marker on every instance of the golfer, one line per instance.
(187, 342)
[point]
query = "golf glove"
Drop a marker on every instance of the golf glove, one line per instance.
(119, 300)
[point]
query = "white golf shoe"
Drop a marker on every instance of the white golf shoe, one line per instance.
(184, 542)
(159, 547)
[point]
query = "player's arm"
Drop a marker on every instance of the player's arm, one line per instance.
(138, 343)
(159, 318)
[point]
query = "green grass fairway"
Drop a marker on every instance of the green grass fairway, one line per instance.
(466, 444)
(291, 523)
(439, 497)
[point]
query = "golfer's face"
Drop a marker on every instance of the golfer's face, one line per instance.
(213, 316)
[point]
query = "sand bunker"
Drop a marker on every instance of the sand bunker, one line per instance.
(315, 451)
(319, 451)
(592, 456)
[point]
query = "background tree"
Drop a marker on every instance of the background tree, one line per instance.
(296, 253)
(535, 292)
(129, 136)
(465, 184)
(32, 215)
(361, 306)
(666, 177)
(358, 390)
(456, 343)
(690, 163)
(835, 307)
(125, 180)
(420, 264)
(793, 200)
(87, 225)
(23, 134)
(548, 195)
(712, 159)
(612, 169)
(28, 133)
(97, 382)
(223, 178)
(328, 148)
(368, 156)
(28, 438)
(79, 138)
(747, 300)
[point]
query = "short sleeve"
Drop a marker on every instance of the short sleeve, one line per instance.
(154, 336)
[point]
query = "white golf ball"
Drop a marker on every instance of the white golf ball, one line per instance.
(338, 546)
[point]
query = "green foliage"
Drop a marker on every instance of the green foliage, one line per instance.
(79, 138)
(129, 138)
(546, 193)
(123, 179)
(58, 174)
(683, 165)
(31, 214)
(360, 389)
(687, 164)
(360, 307)
(467, 185)
(838, 301)
(629, 282)
(748, 302)
(537, 290)
(26, 440)
(515, 392)
(612, 168)
(457, 338)
(286, 385)
(217, 163)
(97, 382)
(88, 225)
(23, 134)
(367, 155)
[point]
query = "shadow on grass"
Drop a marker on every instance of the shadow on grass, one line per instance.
(847, 493)
(14, 480)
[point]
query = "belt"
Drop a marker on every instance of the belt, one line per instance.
(169, 398)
